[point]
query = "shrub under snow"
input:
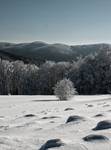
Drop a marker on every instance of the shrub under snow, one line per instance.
(64, 89)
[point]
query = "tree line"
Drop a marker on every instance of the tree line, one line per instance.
(90, 75)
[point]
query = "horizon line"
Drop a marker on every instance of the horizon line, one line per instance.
(64, 43)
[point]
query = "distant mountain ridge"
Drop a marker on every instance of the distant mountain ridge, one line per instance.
(38, 52)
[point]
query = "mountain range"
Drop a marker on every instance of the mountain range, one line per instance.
(38, 52)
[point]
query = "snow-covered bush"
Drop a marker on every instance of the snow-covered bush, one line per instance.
(64, 89)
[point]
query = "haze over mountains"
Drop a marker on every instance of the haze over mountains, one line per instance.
(38, 52)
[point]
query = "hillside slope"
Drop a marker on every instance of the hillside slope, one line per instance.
(40, 52)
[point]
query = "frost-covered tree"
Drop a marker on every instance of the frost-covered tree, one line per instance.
(64, 89)
(17, 78)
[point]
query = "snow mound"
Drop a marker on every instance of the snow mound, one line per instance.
(52, 143)
(93, 137)
(75, 119)
(105, 124)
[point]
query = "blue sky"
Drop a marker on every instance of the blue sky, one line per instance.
(56, 21)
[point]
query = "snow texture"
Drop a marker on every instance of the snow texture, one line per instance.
(28, 122)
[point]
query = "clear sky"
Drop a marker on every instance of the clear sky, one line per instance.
(56, 21)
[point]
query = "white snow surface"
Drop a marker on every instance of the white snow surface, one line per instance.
(18, 132)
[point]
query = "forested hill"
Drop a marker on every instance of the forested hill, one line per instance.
(39, 52)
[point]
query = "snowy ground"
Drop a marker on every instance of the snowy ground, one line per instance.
(20, 132)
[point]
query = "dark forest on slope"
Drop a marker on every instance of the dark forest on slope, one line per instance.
(40, 52)
(35, 68)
